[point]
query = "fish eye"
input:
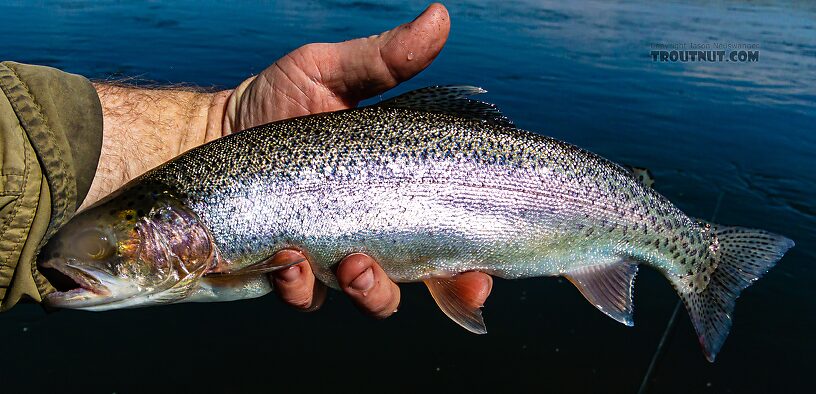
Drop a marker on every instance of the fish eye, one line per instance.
(94, 244)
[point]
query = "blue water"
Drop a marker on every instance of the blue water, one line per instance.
(580, 72)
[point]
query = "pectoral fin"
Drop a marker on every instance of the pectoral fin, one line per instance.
(608, 286)
(177, 292)
(459, 301)
(274, 263)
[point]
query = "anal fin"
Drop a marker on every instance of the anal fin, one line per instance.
(608, 286)
(459, 300)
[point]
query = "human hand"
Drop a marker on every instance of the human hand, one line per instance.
(324, 77)
(330, 77)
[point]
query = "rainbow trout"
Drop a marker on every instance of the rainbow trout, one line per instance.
(430, 184)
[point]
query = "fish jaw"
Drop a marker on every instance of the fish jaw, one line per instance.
(98, 290)
(95, 287)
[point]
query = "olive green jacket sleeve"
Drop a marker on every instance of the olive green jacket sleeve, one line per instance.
(50, 140)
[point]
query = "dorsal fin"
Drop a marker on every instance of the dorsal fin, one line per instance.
(608, 286)
(450, 100)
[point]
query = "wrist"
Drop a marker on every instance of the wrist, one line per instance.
(216, 114)
(231, 120)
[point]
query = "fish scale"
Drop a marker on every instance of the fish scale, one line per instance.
(430, 184)
(353, 172)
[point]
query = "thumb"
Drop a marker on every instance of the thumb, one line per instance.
(365, 67)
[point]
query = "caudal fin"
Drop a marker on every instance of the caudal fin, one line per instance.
(744, 256)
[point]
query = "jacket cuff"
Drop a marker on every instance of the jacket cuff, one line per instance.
(51, 125)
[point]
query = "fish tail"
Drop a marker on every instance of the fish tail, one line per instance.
(736, 257)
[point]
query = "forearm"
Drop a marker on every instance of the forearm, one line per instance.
(146, 127)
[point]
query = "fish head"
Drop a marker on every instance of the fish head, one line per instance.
(135, 248)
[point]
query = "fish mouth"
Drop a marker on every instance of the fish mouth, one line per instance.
(73, 283)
